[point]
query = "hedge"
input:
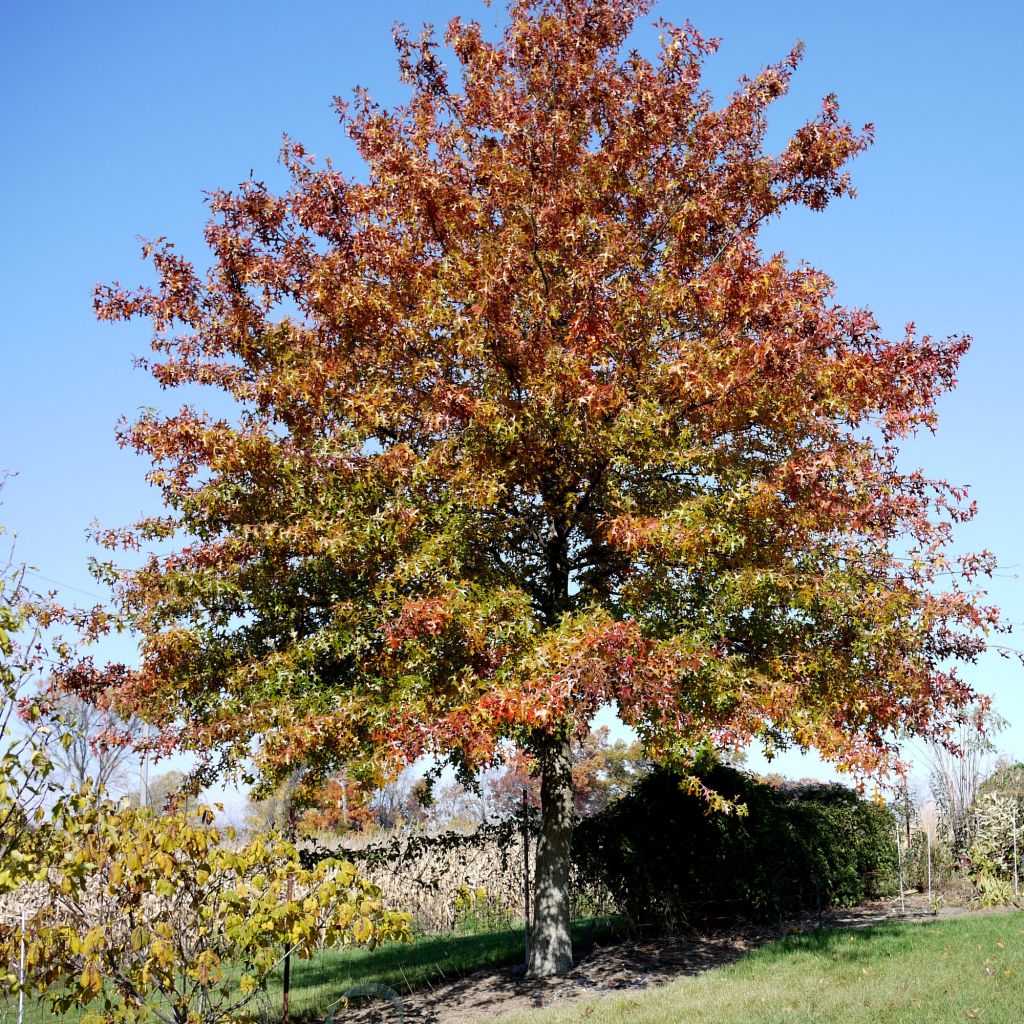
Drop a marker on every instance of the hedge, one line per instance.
(668, 862)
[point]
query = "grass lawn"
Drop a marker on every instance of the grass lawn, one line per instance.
(960, 970)
(405, 967)
(428, 960)
(321, 981)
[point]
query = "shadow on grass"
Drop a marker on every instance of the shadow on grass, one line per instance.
(427, 961)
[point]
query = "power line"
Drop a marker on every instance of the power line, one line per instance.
(66, 586)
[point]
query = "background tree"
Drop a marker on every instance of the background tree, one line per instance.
(905, 805)
(527, 424)
(277, 810)
(166, 790)
(602, 770)
(956, 771)
(1006, 779)
(339, 805)
(461, 807)
(335, 804)
(404, 800)
(92, 742)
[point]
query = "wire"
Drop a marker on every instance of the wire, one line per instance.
(66, 586)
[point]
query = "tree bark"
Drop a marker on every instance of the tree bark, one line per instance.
(550, 937)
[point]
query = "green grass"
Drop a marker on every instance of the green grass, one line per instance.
(36, 1012)
(406, 967)
(319, 982)
(428, 960)
(962, 970)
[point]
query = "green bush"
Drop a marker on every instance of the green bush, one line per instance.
(669, 862)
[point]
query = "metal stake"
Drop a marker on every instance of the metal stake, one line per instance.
(526, 882)
(144, 769)
(899, 861)
(21, 974)
(286, 985)
(928, 841)
(1016, 880)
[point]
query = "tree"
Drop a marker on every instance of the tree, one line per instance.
(1006, 779)
(956, 771)
(339, 805)
(152, 916)
(277, 810)
(27, 782)
(167, 790)
(460, 807)
(93, 742)
(527, 424)
(602, 771)
(401, 801)
(505, 787)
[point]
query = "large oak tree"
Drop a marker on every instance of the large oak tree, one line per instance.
(527, 424)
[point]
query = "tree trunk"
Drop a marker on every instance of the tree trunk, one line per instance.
(550, 937)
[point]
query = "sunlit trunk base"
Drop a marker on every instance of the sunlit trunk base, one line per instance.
(550, 937)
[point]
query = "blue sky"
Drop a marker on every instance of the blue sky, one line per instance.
(116, 117)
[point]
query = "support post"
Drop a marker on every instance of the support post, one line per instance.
(526, 880)
(21, 973)
(286, 983)
(928, 848)
(899, 861)
(144, 769)
(1016, 879)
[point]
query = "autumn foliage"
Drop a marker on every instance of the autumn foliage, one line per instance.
(338, 805)
(145, 916)
(602, 771)
(526, 424)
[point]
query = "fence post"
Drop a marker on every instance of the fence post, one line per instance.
(1016, 881)
(286, 983)
(144, 769)
(899, 861)
(928, 848)
(21, 973)
(526, 882)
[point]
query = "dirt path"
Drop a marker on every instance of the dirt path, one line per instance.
(602, 970)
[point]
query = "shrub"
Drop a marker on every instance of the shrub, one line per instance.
(668, 861)
(991, 854)
(162, 917)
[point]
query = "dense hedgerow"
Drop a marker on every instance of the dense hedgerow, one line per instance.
(669, 862)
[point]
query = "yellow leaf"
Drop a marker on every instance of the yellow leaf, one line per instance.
(91, 981)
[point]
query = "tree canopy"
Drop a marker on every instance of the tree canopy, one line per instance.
(526, 424)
